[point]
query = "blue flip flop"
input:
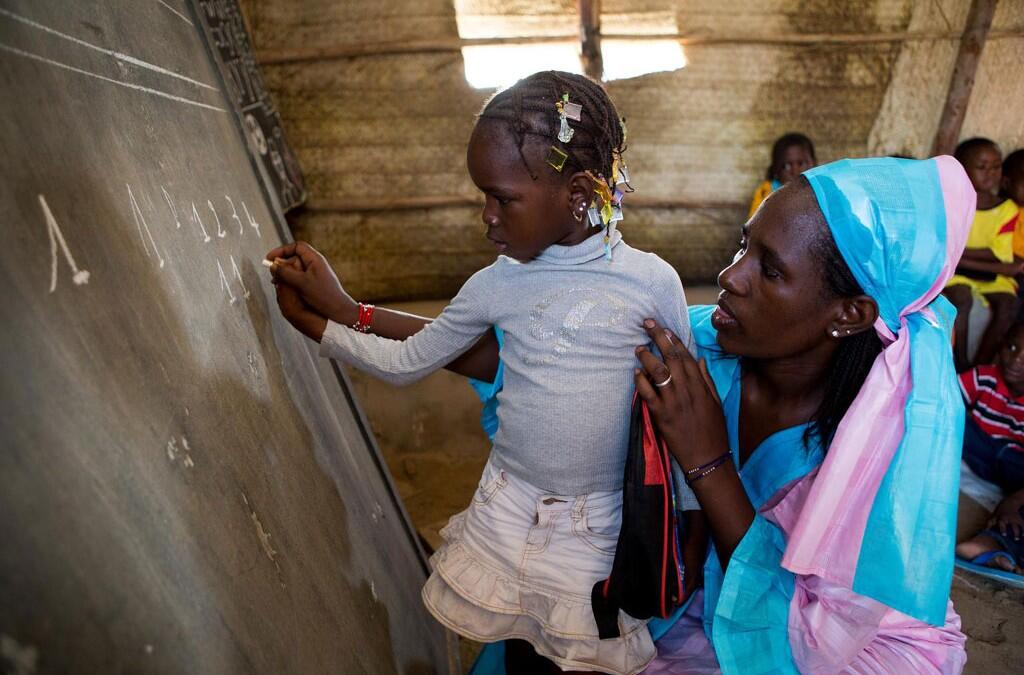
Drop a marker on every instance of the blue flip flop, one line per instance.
(978, 566)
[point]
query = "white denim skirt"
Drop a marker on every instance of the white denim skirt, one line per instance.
(520, 563)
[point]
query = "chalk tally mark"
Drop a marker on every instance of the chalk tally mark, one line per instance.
(141, 224)
(224, 283)
(78, 276)
(238, 275)
(170, 205)
(199, 221)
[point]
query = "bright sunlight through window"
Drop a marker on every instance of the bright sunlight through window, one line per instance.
(497, 66)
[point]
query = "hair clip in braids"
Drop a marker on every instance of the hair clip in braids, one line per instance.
(567, 111)
(556, 158)
(608, 212)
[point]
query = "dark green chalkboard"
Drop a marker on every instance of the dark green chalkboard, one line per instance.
(184, 486)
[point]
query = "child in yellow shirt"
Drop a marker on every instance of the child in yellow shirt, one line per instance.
(987, 265)
(792, 154)
(1013, 187)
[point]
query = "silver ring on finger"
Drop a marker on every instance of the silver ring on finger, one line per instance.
(665, 382)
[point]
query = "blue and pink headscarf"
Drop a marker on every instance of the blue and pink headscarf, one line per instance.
(880, 518)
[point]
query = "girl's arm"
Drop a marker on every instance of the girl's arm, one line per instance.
(479, 362)
(322, 292)
(457, 329)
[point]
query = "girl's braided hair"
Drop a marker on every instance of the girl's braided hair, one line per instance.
(527, 108)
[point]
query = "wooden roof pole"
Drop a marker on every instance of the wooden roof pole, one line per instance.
(590, 39)
(979, 20)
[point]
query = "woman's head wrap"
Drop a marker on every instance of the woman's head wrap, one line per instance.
(881, 516)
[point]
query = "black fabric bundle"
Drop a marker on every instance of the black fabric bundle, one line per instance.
(645, 580)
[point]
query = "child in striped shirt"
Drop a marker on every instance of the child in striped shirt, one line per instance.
(994, 449)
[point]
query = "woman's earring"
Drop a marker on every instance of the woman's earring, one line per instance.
(835, 333)
(577, 214)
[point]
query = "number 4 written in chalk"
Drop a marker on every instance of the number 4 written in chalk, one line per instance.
(79, 276)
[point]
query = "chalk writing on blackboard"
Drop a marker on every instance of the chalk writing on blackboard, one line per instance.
(238, 275)
(221, 232)
(170, 205)
(140, 223)
(174, 452)
(234, 214)
(118, 56)
(224, 283)
(79, 276)
(199, 221)
(180, 15)
(124, 58)
(252, 221)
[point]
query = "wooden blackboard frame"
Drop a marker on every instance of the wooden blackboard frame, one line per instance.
(227, 41)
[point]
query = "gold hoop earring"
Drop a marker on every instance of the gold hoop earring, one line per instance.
(578, 216)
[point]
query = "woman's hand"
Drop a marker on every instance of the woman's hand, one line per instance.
(689, 418)
(681, 399)
(314, 280)
(300, 315)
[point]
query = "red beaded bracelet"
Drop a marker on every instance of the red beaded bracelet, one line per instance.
(362, 324)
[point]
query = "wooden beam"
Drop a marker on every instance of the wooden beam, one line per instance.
(453, 45)
(979, 20)
(590, 39)
(460, 201)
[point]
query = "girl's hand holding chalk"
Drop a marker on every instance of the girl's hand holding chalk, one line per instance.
(300, 315)
(303, 268)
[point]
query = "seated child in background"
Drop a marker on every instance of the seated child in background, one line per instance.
(994, 449)
(792, 154)
(987, 265)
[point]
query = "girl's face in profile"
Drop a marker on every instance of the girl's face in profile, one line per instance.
(523, 216)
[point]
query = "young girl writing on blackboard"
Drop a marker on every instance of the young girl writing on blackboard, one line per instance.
(570, 297)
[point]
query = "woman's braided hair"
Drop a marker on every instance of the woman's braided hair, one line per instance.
(528, 109)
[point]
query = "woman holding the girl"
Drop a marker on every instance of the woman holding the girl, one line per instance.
(828, 382)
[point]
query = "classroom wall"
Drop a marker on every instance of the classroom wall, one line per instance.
(913, 103)
(374, 131)
(997, 104)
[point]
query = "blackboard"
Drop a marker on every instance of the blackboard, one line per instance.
(184, 486)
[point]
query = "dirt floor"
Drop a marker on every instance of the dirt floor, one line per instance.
(430, 435)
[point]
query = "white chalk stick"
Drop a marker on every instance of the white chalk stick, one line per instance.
(267, 263)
